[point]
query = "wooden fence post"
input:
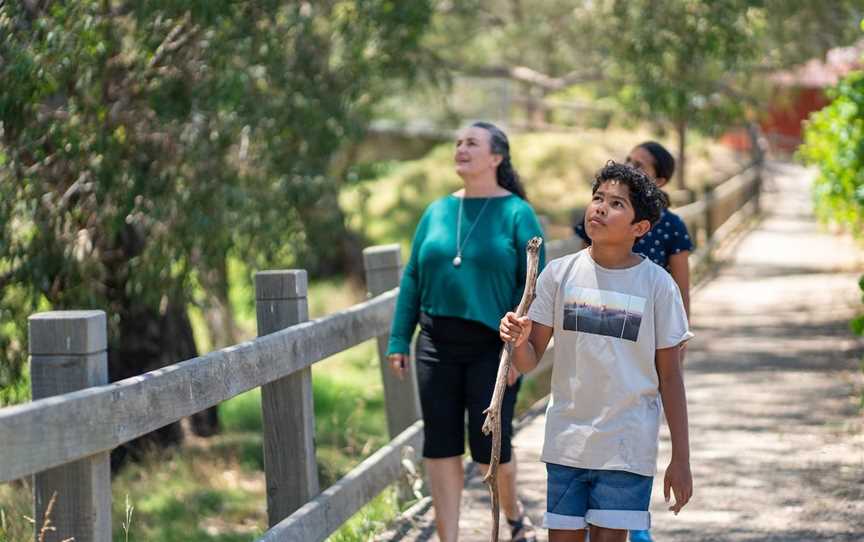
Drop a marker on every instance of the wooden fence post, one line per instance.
(710, 200)
(383, 265)
(68, 352)
(757, 185)
(290, 465)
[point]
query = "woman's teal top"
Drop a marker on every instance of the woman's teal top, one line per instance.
(490, 280)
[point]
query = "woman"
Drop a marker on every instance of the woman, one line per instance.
(467, 269)
(667, 244)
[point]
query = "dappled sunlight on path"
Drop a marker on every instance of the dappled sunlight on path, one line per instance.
(773, 384)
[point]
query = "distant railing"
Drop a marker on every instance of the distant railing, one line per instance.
(64, 436)
(723, 207)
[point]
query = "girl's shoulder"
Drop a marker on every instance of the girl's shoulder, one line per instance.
(672, 220)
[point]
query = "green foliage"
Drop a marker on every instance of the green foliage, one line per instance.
(554, 37)
(142, 145)
(242, 413)
(682, 64)
(857, 323)
(560, 37)
(699, 61)
(368, 520)
(670, 58)
(834, 141)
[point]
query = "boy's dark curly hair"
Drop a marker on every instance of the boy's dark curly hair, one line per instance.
(645, 197)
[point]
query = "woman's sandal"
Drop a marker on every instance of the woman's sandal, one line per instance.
(522, 530)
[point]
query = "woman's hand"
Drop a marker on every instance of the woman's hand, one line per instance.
(514, 330)
(398, 364)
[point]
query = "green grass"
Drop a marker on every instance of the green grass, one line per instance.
(370, 519)
(17, 391)
(350, 422)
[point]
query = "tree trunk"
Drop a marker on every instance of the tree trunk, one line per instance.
(222, 330)
(150, 339)
(680, 177)
(331, 248)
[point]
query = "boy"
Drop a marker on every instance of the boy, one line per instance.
(618, 321)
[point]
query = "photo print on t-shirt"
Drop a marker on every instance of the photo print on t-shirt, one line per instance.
(602, 312)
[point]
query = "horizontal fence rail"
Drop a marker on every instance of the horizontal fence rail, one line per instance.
(64, 438)
(56, 430)
(319, 518)
(723, 207)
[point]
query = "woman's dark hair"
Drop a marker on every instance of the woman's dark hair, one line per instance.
(506, 174)
(644, 195)
(664, 164)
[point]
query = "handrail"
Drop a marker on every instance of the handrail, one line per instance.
(323, 515)
(35, 436)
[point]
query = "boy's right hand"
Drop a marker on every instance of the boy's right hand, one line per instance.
(678, 480)
(514, 330)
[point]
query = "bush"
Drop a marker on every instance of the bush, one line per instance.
(834, 141)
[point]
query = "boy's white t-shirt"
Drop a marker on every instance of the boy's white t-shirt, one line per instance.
(608, 323)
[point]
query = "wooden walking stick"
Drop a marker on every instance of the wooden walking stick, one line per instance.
(492, 424)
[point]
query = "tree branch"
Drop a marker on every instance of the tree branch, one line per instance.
(492, 424)
(528, 75)
(175, 39)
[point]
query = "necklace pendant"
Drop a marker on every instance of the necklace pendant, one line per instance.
(457, 261)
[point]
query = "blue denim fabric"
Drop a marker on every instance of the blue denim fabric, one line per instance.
(617, 499)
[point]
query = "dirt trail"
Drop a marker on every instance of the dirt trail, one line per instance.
(773, 378)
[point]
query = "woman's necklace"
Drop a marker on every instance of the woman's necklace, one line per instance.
(460, 243)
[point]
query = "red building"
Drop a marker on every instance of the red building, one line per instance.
(797, 93)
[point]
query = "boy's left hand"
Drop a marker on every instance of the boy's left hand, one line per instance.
(680, 481)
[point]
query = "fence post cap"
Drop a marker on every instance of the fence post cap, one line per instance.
(67, 332)
(382, 256)
(281, 284)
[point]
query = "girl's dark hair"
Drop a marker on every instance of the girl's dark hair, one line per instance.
(664, 164)
(506, 174)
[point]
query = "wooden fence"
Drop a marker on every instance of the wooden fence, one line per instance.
(723, 208)
(63, 437)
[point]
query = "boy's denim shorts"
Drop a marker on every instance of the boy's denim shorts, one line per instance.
(606, 498)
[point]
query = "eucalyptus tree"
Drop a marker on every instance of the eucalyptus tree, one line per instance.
(142, 142)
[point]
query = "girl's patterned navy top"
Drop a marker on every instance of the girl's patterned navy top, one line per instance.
(668, 236)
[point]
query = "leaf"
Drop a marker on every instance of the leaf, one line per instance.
(857, 325)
